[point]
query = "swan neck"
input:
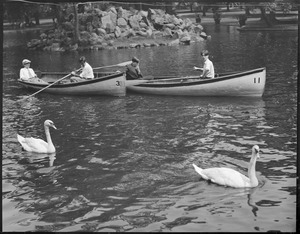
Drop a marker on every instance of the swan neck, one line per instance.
(48, 136)
(251, 170)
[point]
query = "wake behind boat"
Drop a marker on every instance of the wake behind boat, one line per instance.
(107, 84)
(248, 83)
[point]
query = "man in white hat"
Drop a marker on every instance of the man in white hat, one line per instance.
(28, 74)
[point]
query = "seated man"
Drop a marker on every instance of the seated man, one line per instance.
(86, 72)
(28, 74)
(208, 67)
(133, 70)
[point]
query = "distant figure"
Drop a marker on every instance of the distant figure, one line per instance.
(133, 71)
(198, 19)
(86, 72)
(28, 74)
(208, 67)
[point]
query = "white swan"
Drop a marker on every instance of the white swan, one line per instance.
(229, 177)
(38, 145)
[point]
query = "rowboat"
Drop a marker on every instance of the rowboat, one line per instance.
(246, 83)
(107, 84)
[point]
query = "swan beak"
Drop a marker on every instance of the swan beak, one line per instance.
(53, 126)
(257, 153)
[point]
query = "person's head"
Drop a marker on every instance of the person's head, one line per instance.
(135, 61)
(82, 60)
(205, 54)
(26, 62)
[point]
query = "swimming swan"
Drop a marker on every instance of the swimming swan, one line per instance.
(229, 177)
(38, 145)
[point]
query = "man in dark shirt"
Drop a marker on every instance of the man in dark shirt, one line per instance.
(133, 71)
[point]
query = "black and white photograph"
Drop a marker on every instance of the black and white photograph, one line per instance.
(150, 116)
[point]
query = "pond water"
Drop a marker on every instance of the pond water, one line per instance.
(125, 164)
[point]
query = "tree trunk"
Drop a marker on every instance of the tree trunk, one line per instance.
(76, 24)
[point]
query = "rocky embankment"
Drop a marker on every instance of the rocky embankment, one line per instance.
(118, 28)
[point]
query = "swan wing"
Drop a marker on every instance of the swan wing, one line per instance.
(227, 177)
(33, 144)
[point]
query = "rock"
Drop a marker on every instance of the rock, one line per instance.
(113, 17)
(98, 12)
(121, 22)
(43, 36)
(134, 22)
(117, 32)
(134, 45)
(144, 34)
(167, 32)
(106, 20)
(186, 39)
(113, 9)
(55, 47)
(173, 43)
(110, 42)
(178, 34)
(198, 28)
(143, 25)
(110, 27)
(149, 32)
(146, 44)
(203, 35)
(101, 32)
(123, 13)
(171, 26)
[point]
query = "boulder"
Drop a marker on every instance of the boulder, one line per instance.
(149, 32)
(101, 32)
(113, 17)
(117, 32)
(143, 25)
(122, 13)
(167, 32)
(106, 20)
(173, 43)
(134, 22)
(171, 26)
(203, 35)
(110, 27)
(198, 28)
(113, 10)
(141, 33)
(121, 22)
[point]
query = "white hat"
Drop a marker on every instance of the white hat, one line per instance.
(25, 61)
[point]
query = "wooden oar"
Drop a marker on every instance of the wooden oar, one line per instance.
(50, 85)
(116, 65)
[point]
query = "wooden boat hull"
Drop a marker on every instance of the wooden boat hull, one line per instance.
(248, 83)
(103, 84)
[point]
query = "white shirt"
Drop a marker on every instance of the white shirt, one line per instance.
(27, 73)
(208, 65)
(87, 71)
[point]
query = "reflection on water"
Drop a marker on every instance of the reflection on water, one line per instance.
(125, 164)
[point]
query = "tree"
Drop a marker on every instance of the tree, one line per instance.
(76, 23)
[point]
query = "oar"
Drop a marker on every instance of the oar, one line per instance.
(50, 85)
(116, 65)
